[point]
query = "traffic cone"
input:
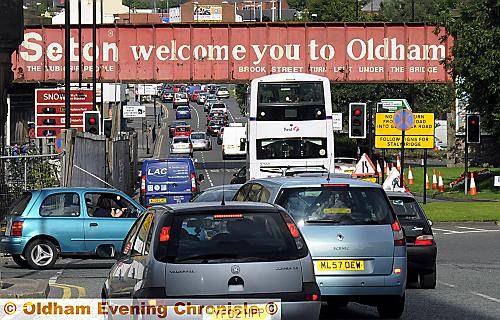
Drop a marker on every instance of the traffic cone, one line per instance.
(472, 189)
(386, 168)
(379, 170)
(434, 180)
(427, 184)
(410, 176)
(398, 163)
(441, 184)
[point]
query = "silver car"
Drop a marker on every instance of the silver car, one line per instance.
(181, 145)
(201, 141)
(219, 252)
(356, 241)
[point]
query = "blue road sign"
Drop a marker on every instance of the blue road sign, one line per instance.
(403, 119)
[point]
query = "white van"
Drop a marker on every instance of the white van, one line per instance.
(234, 142)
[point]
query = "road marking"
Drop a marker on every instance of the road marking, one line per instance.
(66, 290)
(197, 118)
(447, 284)
(82, 293)
(444, 230)
(231, 115)
(472, 229)
(485, 296)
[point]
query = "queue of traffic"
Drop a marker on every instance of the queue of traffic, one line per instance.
(290, 229)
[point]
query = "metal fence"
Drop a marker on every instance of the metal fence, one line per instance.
(19, 173)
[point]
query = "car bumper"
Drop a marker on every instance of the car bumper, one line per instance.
(12, 245)
(200, 146)
(421, 259)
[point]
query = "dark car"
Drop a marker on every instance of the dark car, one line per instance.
(214, 127)
(240, 176)
(214, 194)
(422, 249)
(173, 125)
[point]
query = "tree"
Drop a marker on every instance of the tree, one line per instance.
(476, 58)
(430, 11)
(332, 10)
(138, 4)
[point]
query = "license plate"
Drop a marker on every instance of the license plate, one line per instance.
(340, 265)
(157, 200)
(240, 312)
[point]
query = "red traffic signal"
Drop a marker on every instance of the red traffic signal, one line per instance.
(357, 112)
(473, 128)
(357, 120)
(91, 122)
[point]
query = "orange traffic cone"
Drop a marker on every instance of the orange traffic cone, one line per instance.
(427, 184)
(398, 163)
(441, 184)
(473, 189)
(434, 180)
(410, 176)
(379, 170)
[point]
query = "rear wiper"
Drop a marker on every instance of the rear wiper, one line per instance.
(206, 257)
(322, 221)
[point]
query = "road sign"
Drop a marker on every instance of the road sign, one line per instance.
(134, 111)
(411, 142)
(392, 105)
(392, 182)
(337, 121)
(424, 125)
(50, 110)
(403, 119)
(364, 167)
(496, 181)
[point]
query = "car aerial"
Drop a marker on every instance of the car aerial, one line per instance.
(214, 194)
(356, 241)
(183, 112)
(420, 244)
(222, 93)
(239, 177)
(195, 95)
(213, 127)
(173, 124)
(43, 225)
(219, 252)
(202, 97)
(345, 164)
(201, 141)
(180, 99)
(182, 130)
(181, 145)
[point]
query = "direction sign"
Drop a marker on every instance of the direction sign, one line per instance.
(337, 121)
(392, 105)
(411, 142)
(403, 119)
(424, 125)
(134, 111)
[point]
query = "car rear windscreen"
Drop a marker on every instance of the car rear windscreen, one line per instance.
(337, 205)
(181, 140)
(406, 208)
(20, 205)
(227, 238)
(198, 136)
(182, 129)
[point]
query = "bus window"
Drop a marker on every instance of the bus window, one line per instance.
(292, 148)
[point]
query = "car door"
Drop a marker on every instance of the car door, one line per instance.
(103, 223)
(61, 218)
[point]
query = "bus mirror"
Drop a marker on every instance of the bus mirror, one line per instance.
(243, 143)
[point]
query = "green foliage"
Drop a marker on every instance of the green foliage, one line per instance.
(476, 58)
(241, 96)
(138, 4)
(332, 10)
(430, 11)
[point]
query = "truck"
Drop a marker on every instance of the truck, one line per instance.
(234, 141)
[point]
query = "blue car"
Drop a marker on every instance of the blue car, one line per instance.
(168, 181)
(182, 112)
(46, 224)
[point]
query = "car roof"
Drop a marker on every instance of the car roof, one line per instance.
(201, 207)
(76, 189)
(301, 181)
(400, 194)
(226, 187)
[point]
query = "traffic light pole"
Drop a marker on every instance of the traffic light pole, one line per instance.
(370, 128)
(466, 163)
(401, 176)
(67, 65)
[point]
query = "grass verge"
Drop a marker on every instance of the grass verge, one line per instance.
(462, 211)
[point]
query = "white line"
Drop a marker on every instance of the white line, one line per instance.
(485, 296)
(447, 284)
(473, 229)
(197, 118)
(231, 115)
(451, 231)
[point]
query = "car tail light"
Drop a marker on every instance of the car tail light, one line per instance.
(17, 229)
(294, 231)
(397, 270)
(193, 182)
(143, 183)
(425, 240)
(311, 291)
(165, 234)
(399, 236)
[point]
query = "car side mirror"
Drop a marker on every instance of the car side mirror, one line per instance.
(429, 221)
(201, 177)
(106, 251)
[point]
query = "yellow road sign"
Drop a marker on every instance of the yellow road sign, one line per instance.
(411, 142)
(424, 125)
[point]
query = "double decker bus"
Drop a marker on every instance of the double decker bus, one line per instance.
(290, 125)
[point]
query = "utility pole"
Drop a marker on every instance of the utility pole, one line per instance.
(80, 64)
(67, 65)
(94, 55)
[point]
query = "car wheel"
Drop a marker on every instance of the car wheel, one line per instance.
(428, 281)
(20, 261)
(41, 254)
(392, 308)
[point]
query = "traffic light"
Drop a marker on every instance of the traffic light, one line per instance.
(357, 120)
(473, 129)
(92, 122)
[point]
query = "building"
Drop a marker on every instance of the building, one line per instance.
(109, 9)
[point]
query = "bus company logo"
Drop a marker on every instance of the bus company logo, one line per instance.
(292, 129)
(157, 172)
